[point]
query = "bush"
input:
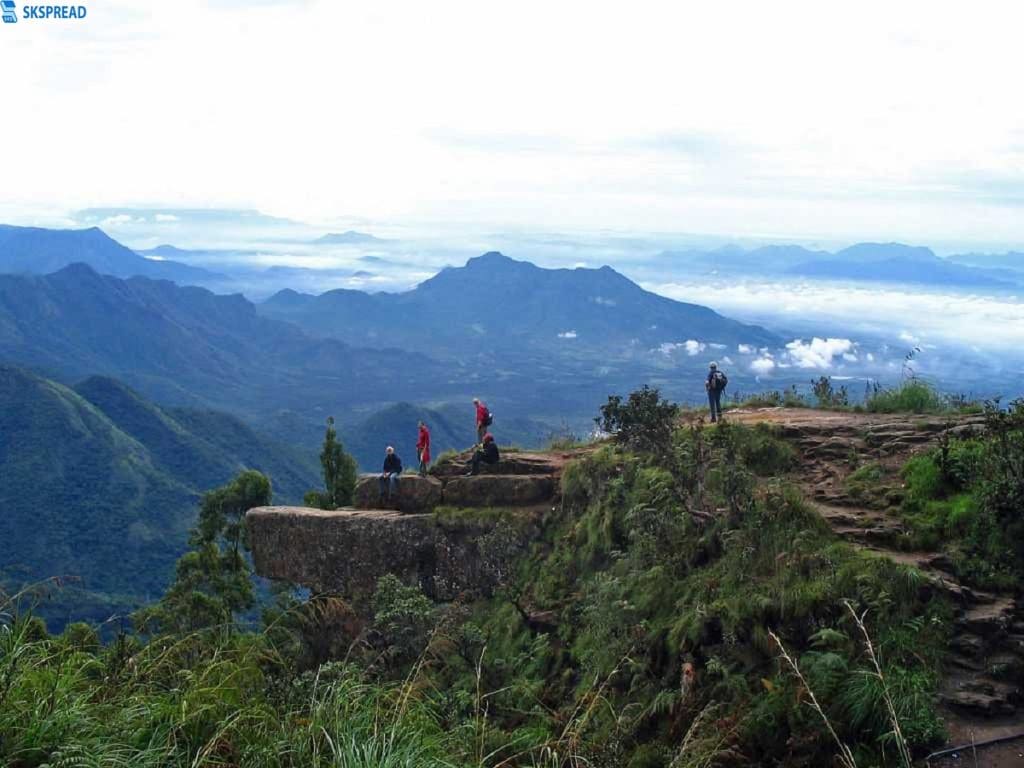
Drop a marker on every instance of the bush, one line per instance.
(763, 451)
(404, 616)
(828, 396)
(644, 422)
(914, 396)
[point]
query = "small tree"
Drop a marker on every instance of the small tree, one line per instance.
(828, 396)
(212, 581)
(339, 470)
(645, 421)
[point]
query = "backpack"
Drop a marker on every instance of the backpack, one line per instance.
(721, 381)
(489, 419)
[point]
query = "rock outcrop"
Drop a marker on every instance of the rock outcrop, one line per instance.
(519, 479)
(415, 494)
(346, 551)
(498, 490)
(467, 547)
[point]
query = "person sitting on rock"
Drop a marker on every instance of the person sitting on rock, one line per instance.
(483, 419)
(487, 453)
(423, 448)
(389, 477)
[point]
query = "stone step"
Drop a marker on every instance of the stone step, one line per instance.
(418, 495)
(498, 490)
(978, 703)
(511, 463)
(987, 619)
(968, 645)
(965, 663)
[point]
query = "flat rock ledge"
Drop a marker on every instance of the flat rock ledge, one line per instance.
(346, 551)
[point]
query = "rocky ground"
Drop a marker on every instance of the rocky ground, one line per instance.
(988, 641)
(452, 534)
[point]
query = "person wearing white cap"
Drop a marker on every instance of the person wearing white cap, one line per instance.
(389, 475)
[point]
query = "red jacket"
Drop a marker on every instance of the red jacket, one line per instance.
(423, 445)
(481, 413)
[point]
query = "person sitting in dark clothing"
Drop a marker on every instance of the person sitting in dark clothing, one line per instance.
(486, 454)
(389, 476)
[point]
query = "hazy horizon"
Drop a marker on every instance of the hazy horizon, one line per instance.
(805, 122)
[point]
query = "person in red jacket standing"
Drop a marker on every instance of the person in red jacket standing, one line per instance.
(483, 419)
(423, 448)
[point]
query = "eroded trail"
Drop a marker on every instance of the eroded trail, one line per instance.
(980, 702)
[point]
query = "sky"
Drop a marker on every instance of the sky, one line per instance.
(794, 120)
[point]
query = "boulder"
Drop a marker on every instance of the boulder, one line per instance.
(347, 551)
(416, 494)
(498, 490)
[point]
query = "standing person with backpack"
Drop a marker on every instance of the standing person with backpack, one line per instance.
(423, 448)
(715, 385)
(484, 419)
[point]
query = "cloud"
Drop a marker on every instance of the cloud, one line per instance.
(746, 349)
(120, 220)
(165, 217)
(762, 365)
(990, 321)
(567, 335)
(520, 149)
(908, 337)
(818, 353)
(692, 347)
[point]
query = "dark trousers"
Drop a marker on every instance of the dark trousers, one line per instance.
(478, 458)
(715, 400)
(388, 485)
(481, 430)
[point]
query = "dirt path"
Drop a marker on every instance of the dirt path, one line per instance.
(977, 700)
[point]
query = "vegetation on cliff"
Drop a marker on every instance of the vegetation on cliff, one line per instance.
(645, 628)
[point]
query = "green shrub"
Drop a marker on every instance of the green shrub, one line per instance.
(645, 422)
(763, 450)
(913, 396)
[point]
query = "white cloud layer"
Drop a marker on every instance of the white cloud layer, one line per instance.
(914, 316)
(571, 115)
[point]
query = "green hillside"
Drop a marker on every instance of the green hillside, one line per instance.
(100, 486)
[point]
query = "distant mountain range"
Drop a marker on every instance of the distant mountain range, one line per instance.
(37, 251)
(863, 262)
(506, 307)
(894, 262)
(186, 345)
(351, 237)
(100, 484)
